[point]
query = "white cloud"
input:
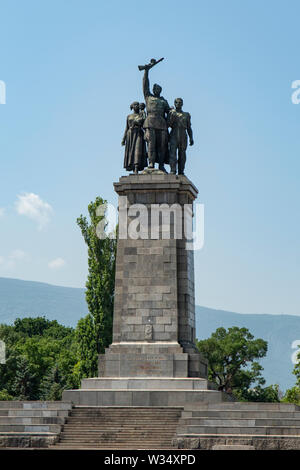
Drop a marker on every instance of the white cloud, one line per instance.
(56, 263)
(17, 255)
(10, 261)
(32, 206)
(2, 211)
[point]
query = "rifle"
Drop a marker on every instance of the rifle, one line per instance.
(150, 65)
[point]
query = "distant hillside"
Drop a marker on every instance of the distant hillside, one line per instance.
(26, 298)
(278, 330)
(66, 305)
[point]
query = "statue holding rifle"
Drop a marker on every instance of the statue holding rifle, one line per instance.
(155, 125)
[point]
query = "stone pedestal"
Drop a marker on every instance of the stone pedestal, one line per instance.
(154, 309)
(152, 359)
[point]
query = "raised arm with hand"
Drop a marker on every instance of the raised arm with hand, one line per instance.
(146, 84)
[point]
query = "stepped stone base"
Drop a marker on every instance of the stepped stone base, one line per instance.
(139, 383)
(157, 359)
(264, 426)
(28, 424)
(141, 397)
(148, 391)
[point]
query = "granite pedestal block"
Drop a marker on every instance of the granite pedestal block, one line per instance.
(154, 309)
(153, 358)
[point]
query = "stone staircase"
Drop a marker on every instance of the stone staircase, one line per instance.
(31, 423)
(260, 425)
(195, 425)
(119, 428)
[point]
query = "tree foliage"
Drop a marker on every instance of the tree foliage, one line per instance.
(101, 274)
(259, 394)
(292, 395)
(35, 347)
(85, 332)
(229, 353)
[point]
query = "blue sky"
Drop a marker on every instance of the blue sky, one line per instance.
(70, 69)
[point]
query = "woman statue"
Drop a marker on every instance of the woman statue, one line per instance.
(135, 158)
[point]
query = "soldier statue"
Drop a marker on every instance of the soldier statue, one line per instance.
(155, 125)
(180, 123)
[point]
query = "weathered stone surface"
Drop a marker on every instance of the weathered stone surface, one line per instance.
(32, 423)
(26, 441)
(154, 296)
(239, 443)
(142, 397)
(232, 447)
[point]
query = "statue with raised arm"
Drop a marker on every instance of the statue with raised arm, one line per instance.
(180, 123)
(155, 125)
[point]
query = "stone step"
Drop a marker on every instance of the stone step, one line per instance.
(142, 397)
(121, 420)
(240, 422)
(261, 430)
(127, 409)
(114, 437)
(128, 430)
(53, 428)
(135, 427)
(134, 383)
(103, 441)
(118, 418)
(120, 415)
(117, 445)
(110, 435)
(241, 406)
(86, 446)
(10, 420)
(232, 447)
(41, 405)
(26, 433)
(33, 413)
(99, 427)
(120, 427)
(99, 412)
(229, 414)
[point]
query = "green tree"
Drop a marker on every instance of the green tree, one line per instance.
(87, 347)
(261, 394)
(32, 326)
(25, 385)
(101, 272)
(40, 326)
(229, 353)
(51, 387)
(292, 395)
(296, 370)
(5, 396)
(40, 346)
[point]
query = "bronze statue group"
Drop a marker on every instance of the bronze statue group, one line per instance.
(147, 139)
